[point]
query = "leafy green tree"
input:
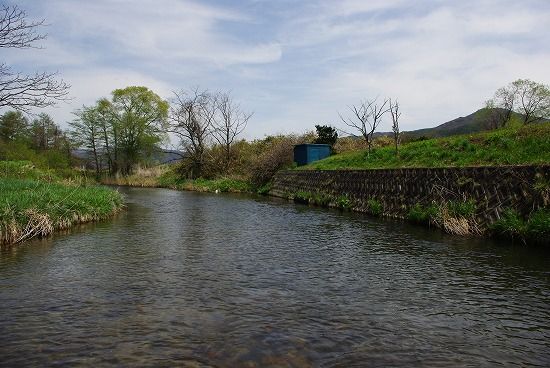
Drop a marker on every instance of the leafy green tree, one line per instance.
(13, 126)
(45, 133)
(523, 96)
(326, 135)
(533, 100)
(139, 124)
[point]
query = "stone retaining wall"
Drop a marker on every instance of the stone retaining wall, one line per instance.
(494, 189)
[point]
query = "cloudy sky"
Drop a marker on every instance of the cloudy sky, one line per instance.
(295, 63)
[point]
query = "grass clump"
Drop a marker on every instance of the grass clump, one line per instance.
(534, 229)
(31, 208)
(375, 207)
(455, 217)
(422, 214)
(343, 202)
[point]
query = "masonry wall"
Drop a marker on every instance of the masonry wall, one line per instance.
(494, 189)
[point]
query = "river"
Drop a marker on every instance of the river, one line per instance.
(203, 280)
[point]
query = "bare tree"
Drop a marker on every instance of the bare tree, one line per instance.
(191, 119)
(17, 90)
(366, 118)
(395, 115)
(230, 121)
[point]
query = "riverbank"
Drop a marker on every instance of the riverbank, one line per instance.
(509, 201)
(37, 203)
(166, 176)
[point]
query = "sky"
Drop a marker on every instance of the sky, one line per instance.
(294, 64)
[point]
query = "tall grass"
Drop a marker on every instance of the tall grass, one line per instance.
(31, 204)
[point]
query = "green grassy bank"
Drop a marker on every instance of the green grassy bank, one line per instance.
(523, 145)
(36, 203)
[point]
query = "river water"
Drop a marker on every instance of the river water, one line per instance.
(200, 280)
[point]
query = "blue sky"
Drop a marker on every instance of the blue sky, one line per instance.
(295, 63)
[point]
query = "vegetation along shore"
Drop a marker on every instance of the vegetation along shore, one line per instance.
(37, 203)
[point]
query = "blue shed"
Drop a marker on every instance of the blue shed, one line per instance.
(307, 153)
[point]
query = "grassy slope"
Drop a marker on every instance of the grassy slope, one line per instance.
(515, 146)
(33, 203)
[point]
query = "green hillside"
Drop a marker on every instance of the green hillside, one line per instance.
(528, 144)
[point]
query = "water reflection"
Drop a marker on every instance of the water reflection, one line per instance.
(199, 280)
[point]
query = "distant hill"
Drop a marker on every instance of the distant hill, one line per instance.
(472, 123)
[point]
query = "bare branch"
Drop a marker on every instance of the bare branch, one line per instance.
(23, 92)
(15, 31)
(229, 122)
(366, 117)
(191, 119)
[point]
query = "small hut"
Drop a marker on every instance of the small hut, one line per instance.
(307, 153)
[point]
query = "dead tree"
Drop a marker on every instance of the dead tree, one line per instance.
(18, 90)
(230, 121)
(395, 115)
(366, 117)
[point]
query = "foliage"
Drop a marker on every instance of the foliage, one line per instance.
(25, 170)
(523, 96)
(13, 126)
(264, 189)
(455, 217)
(326, 135)
(36, 202)
(422, 214)
(535, 229)
(466, 208)
(343, 202)
(375, 207)
(124, 131)
(43, 142)
(529, 144)
(140, 121)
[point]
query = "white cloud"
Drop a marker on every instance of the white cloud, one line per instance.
(297, 63)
